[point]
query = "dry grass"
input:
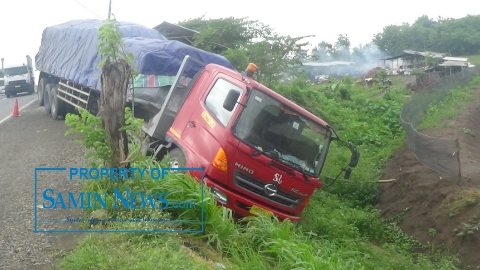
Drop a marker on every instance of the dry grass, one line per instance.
(455, 203)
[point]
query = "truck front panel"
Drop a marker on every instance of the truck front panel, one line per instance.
(18, 80)
(263, 156)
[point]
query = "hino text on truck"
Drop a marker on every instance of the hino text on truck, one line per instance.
(260, 151)
(18, 78)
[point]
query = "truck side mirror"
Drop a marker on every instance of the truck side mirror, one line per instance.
(354, 158)
(348, 172)
(231, 100)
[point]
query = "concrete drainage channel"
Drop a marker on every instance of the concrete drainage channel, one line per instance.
(202, 255)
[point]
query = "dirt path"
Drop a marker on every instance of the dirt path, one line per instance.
(440, 210)
(33, 140)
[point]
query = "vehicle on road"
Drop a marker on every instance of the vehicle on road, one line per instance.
(260, 152)
(18, 78)
(2, 86)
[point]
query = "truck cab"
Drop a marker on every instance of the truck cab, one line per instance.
(261, 153)
(19, 78)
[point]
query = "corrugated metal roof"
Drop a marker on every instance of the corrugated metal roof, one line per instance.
(396, 57)
(177, 32)
(433, 54)
(328, 64)
(455, 59)
(410, 53)
(454, 64)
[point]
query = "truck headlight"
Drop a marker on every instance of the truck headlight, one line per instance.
(219, 195)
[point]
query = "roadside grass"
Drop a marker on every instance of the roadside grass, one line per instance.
(128, 251)
(451, 106)
(340, 229)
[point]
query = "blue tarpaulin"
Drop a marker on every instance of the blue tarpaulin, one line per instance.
(164, 57)
(70, 51)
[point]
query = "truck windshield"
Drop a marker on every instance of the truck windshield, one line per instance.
(13, 71)
(282, 134)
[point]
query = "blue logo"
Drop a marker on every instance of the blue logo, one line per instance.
(50, 198)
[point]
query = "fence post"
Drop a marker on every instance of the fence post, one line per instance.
(458, 156)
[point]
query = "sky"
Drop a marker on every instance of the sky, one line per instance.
(24, 20)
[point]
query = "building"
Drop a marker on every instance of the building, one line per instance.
(185, 35)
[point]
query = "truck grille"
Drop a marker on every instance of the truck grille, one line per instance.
(256, 187)
(17, 82)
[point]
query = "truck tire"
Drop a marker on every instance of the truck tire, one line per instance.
(177, 158)
(46, 97)
(57, 105)
(41, 89)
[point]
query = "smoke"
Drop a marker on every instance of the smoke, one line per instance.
(367, 56)
(364, 57)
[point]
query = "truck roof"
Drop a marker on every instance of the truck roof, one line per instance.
(13, 66)
(235, 74)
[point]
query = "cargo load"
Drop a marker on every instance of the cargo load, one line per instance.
(69, 51)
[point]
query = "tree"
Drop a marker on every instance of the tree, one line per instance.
(342, 48)
(324, 51)
(115, 77)
(250, 41)
(230, 32)
(454, 36)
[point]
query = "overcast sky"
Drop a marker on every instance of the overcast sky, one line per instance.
(23, 21)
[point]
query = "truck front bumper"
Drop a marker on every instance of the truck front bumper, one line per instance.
(241, 205)
(19, 88)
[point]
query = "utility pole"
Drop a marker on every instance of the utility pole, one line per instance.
(109, 8)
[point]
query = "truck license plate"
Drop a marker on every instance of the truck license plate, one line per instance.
(17, 86)
(258, 211)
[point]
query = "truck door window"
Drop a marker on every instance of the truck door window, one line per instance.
(215, 99)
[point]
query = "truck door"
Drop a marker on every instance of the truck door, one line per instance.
(208, 127)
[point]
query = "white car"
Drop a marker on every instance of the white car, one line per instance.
(2, 89)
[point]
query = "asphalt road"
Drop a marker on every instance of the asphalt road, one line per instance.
(31, 141)
(6, 104)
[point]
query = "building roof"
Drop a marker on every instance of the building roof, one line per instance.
(454, 64)
(185, 35)
(412, 54)
(433, 54)
(396, 57)
(461, 59)
(176, 32)
(328, 64)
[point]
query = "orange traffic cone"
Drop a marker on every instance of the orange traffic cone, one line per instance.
(15, 112)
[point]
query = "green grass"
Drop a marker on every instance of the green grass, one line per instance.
(451, 106)
(125, 251)
(474, 59)
(340, 229)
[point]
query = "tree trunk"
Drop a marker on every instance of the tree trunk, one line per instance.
(115, 78)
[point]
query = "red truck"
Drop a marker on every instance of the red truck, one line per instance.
(260, 151)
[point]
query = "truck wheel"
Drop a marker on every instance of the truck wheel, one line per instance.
(41, 89)
(177, 158)
(46, 97)
(57, 105)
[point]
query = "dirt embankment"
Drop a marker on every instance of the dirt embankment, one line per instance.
(438, 210)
